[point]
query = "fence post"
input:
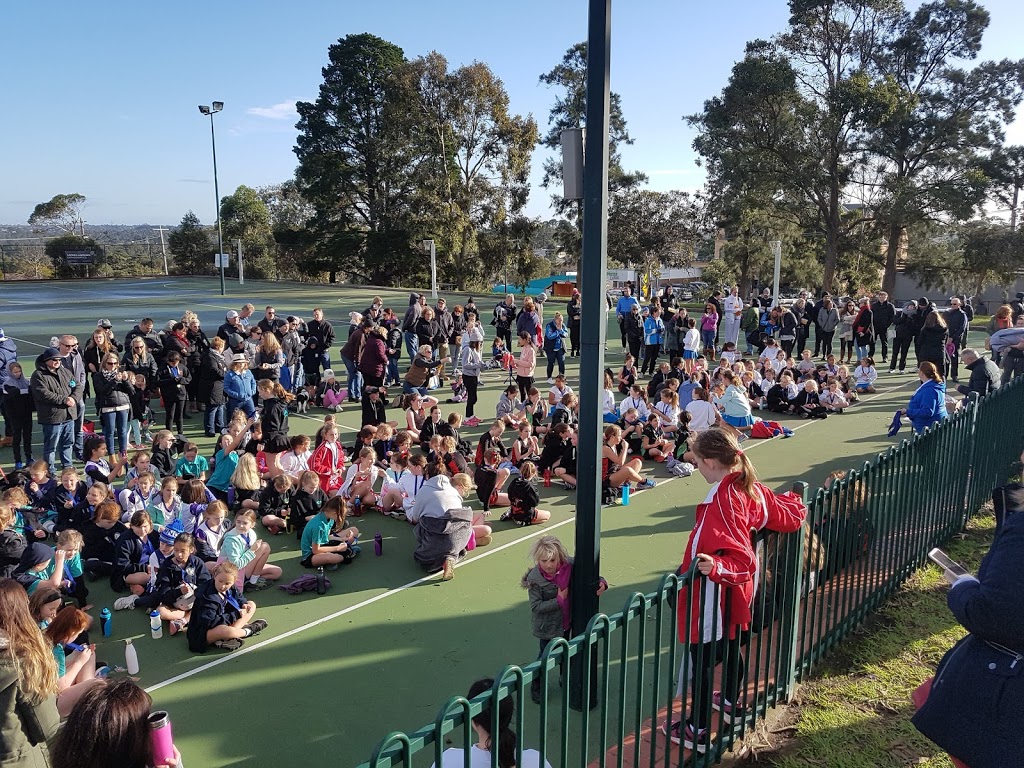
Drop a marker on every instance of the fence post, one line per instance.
(973, 403)
(789, 620)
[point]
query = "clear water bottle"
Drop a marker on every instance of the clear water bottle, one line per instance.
(156, 627)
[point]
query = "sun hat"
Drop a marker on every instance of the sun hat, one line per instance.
(239, 359)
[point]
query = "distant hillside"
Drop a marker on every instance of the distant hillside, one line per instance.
(102, 233)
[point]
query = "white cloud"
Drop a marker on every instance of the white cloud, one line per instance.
(282, 111)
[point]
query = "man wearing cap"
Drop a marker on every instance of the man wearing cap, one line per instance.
(573, 310)
(623, 308)
(231, 325)
(52, 387)
(108, 328)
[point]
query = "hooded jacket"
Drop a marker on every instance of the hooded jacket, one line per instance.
(8, 354)
(928, 405)
(412, 314)
(373, 360)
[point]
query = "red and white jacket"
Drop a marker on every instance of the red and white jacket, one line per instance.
(725, 526)
(328, 461)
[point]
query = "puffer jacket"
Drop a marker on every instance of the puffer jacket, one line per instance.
(374, 358)
(545, 611)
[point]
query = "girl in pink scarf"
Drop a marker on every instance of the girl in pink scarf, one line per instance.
(548, 584)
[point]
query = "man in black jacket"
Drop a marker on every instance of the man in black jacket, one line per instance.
(984, 374)
(818, 335)
(56, 406)
(956, 324)
(323, 332)
(883, 313)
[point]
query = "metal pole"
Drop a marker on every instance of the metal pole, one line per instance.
(777, 250)
(163, 247)
(433, 271)
(216, 192)
(241, 274)
(3, 260)
(586, 570)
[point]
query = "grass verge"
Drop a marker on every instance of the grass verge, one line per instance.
(855, 712)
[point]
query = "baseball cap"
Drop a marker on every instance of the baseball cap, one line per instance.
(104, 323)
(51, 353)
(231, 314)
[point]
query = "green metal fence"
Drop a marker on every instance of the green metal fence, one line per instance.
(871, 530)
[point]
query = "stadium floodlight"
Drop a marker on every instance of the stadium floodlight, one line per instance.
(217, 107)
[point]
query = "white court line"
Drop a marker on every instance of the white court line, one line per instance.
(542, 530)
(26, 341)
(539, 532)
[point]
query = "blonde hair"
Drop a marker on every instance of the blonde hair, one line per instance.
(462, 482)
(548, 547)
(226, 567)
(722, 447)
(25, 645)
(246, 476)
(69, 538)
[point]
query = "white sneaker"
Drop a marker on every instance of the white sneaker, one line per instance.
(551, 381)
(125, 603)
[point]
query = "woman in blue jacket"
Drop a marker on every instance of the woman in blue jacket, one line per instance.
(928, 405)
(239, 387)
(975, 707)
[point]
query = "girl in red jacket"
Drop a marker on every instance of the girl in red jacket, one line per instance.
(721, 543)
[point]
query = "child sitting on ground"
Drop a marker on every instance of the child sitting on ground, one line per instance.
(308, 500)
(524, 499)
(864, 376)
(463, 485)
(275, 503)
(210, 533)
(325, 540)
(179, 577)
(221, 617)
(242, 547)
(97, 468)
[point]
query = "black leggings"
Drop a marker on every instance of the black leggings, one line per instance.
(724, 652)
(21, 435)
(525, 385)
(175, 414)
(650, 358)
(826, 342)
(846, 347)
(471, 382)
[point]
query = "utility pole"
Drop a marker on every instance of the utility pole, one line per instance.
(163, 248)
(241, 274)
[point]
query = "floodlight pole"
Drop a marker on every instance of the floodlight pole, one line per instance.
(777, 253)
(586, 568)
(211, 111)
(429, 245)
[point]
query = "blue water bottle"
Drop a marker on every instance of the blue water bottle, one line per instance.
(105, 622)
(625, 494)
(357, 507)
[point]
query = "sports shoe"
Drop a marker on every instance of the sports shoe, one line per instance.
(176, 626)
(742, 437)
(569, 486)
(231, 644)
(125, 603)
(551, 381)
(646, 483)
(256, 586)
(255, 627)
(730, 712)
(19, 465)
(694, 741)
(448, 569)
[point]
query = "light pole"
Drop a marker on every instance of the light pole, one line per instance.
(217, 106)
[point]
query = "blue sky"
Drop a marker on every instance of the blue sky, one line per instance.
(101, 98)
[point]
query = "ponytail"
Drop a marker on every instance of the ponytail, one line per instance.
(721, 446)
(505, 739)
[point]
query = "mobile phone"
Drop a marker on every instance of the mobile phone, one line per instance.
(952, 568)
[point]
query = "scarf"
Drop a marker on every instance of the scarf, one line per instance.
(110, 376)
(20, 382)
(561, 578)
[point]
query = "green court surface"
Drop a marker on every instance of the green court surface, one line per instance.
(387, 644)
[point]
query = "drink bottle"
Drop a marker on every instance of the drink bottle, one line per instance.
(131, 658)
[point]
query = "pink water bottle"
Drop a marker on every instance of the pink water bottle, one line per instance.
(161, 738)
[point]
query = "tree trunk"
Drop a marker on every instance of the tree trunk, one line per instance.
(891, 253)
(831, 238)
(1013, 209)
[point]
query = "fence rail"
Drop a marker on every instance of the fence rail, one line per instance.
(871, 531)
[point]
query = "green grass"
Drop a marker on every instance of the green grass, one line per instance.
(855, 713)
